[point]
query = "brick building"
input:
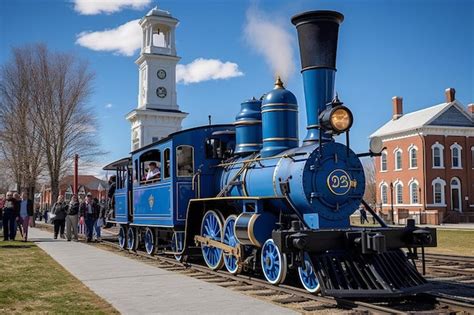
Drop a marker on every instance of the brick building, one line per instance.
(426, 171)
(86, 184)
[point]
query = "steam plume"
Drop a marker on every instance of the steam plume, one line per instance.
(272, 41)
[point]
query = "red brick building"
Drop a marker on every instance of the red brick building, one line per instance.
(426, 171)
(86, 184)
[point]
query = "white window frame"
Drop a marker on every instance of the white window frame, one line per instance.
(395, 187)
(410, 184)
(384, 154)
(382, 186)
(455, 145)
(412, 148)
(442, 182)
(395, 152)
(441, 155)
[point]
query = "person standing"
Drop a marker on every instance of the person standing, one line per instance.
(72, 219)
(26, 212)
(89, 213)
(10, 215)
(59, 212)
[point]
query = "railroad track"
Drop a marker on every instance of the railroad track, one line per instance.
(297, 298)
(450, 268)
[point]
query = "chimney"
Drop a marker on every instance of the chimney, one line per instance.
(470, 109)
(450, 94)
(397, 103)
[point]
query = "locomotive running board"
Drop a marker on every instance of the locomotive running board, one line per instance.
(353, 275)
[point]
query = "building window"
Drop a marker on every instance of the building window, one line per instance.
(414, 198)
(398, 159)
(438, 191)
(399, 192)
(456, 155)
(456, 198)
(437, 150)
(413, 152)
(472, 157)
(383, 162)
(384, 193)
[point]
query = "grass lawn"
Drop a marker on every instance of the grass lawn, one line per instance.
(32, 282)
(454, 242)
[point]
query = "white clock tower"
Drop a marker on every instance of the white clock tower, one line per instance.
(157, 114)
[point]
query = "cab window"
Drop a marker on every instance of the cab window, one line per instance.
(166, 161)
(185, 161)
(217, 149)
(150, 167)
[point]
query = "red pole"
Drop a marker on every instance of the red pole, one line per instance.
(76, 160)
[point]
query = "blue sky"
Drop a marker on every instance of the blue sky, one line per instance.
(413, 49)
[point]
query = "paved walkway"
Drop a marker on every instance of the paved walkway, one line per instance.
(133, 287)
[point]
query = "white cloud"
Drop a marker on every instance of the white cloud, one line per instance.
(206, 69)
(271, 40)
(123, 40)
(90, 7)
(108, 105)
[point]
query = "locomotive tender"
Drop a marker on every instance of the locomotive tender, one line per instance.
(247, 196)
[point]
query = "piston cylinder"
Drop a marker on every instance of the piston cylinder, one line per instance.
(254, 228)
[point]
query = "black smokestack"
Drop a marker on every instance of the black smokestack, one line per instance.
(317, 37)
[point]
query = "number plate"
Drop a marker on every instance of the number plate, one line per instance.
(339, 182)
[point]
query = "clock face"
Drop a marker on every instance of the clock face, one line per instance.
(161, 92)
(161, 74)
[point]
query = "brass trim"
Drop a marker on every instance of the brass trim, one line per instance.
(250, 230)
(248, 144)
(279, 110)
(279, 104)
(285, 156)
(235, 198)
(247, 122)
(280, 139)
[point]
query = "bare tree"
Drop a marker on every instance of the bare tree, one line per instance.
(66, 122)
(46, 111)
(370, 184)
(20, 141)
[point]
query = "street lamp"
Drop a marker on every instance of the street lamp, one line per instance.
(391, 208)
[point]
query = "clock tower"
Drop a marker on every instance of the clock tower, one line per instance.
(157, 114)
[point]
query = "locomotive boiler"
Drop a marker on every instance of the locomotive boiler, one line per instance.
(248, 197)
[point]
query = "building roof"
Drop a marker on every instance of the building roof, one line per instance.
(90, 182)
(158, 12)
(444, 114)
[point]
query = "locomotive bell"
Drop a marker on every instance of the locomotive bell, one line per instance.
(317, 37)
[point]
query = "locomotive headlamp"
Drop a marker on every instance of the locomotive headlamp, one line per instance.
(338, 119)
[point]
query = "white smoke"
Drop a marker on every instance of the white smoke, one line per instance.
(270, 39)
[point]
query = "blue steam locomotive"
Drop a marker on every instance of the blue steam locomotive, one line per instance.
(246, 196)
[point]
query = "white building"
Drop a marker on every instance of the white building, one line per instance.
(157, 114)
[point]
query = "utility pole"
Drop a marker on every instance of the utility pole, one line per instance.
(76, 164)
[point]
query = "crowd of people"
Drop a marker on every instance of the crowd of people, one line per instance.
(17, 214)
(67, 217)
